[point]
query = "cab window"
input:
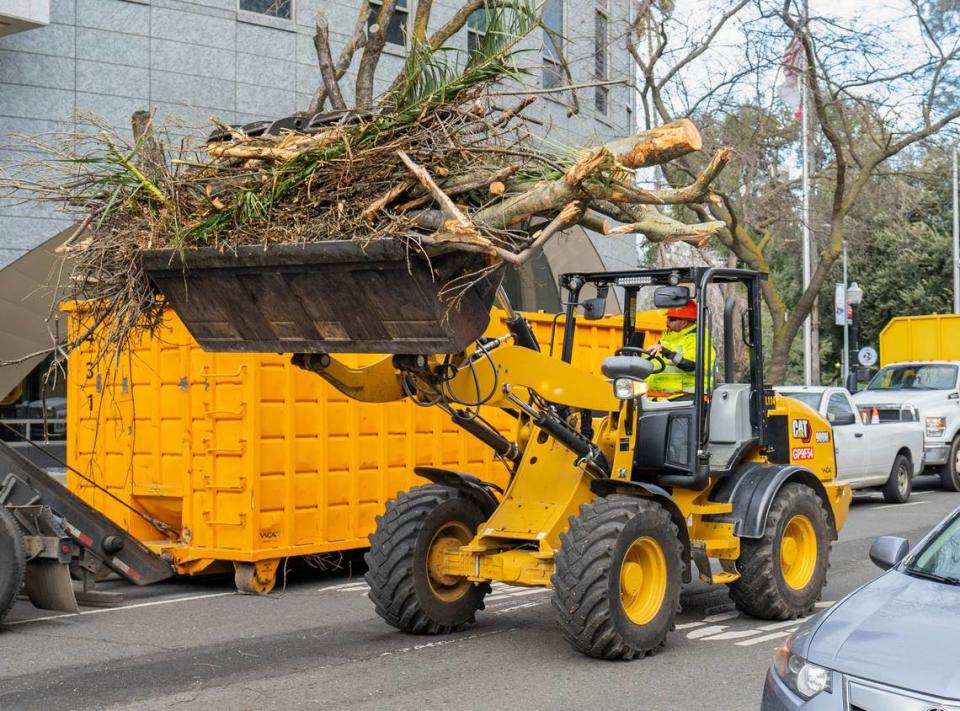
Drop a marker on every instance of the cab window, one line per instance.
(839, 411)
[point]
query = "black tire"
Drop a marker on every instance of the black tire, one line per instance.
(950, 472)
(762, 590)
(588, 575)
(13, 565)
(900, 484)
(401, 587)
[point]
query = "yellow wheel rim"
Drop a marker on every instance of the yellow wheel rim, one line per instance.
(798, 552)
(447, 539)
(643, 580)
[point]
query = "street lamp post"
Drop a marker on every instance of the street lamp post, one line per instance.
(854, 298)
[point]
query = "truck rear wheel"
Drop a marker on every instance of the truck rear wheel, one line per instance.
(950, 472)
(900, 484)
(12, 563)
(617, 578)
(407, 587)
(782, 575)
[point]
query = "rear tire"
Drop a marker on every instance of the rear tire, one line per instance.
(950, 472)
(780, 578)
(900, 484)
(617, 578)
(404, 590)
(13, 565)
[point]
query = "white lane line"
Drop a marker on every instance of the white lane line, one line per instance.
(706, 631)
(901, 506)
(721, 616)
(766, 637)
(345, 587)
(445, 642)
(519, 607)
(689, 625)
(825, 603)
(780, 625)
(733, 634)
(117, 609)
(518, 593)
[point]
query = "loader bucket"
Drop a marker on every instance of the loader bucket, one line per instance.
(325, 297)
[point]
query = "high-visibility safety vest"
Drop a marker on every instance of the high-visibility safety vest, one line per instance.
(674, 380)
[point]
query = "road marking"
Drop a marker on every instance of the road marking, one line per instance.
(721, 616)
(901, 506)
(519, 607)
(445, 642)
(766, 637)
(688, 625)
(779, 625)
(515, 593)
(117, 609)
(825, 603)
(354, 586)
(733, 634)
(705, 631)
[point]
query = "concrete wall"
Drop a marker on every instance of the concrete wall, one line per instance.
(195, 59)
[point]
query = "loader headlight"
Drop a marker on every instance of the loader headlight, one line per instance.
(627, 389)
(935, 426)
(801, 676)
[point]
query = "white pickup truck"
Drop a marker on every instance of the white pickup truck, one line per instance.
(933, 388)
(885, 455)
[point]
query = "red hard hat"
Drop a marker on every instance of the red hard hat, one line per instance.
(688, 312)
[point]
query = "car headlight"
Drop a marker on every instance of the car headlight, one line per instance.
(627, 389)
(935, 426)
(801, 676)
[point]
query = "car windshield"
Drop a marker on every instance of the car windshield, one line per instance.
(811, 399)
(940, 557)
(915, 377)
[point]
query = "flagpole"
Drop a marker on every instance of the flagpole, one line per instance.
(804, 221)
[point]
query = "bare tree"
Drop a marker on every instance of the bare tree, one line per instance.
(370, 42)
(868, 104)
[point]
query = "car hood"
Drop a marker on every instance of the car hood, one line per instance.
(897, 630)
(912, 397)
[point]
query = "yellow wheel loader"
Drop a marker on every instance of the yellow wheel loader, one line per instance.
(613, 495)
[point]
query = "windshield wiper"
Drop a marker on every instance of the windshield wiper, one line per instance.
(950, 580)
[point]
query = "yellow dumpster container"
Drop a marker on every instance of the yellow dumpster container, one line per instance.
(933, 337)
(252, 460)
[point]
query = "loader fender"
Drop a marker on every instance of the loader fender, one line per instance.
(477, 489)
(605, 487)
(751, 489)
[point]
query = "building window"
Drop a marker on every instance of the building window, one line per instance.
(476, 29)
(552, 19)
(274, 8)
(601, 94)
(397, 27)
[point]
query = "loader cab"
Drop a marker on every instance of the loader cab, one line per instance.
(684, 443)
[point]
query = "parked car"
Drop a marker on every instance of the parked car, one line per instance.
(933, 388)
(885, 455)
(892, 644)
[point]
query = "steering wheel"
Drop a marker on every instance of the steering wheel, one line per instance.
(658, 361)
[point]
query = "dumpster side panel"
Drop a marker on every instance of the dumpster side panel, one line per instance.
(251, 458)
(934, 337)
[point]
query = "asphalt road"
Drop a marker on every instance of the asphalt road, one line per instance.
(195, 644)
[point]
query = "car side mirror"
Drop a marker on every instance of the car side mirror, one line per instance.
(671, 297)
(842, 418)
(887, 551)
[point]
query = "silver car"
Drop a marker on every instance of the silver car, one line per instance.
(891, 645)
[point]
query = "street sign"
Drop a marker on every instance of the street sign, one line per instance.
(867, 357)
(840, 305)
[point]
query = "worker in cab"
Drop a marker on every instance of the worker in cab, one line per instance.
(678, 349)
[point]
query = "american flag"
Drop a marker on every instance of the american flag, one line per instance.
(793, 64)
